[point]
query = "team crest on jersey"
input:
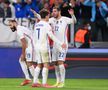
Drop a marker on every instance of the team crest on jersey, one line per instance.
(57, 22)
(60, 21)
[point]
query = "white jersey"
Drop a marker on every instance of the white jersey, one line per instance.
(41, 33)
(60, 27)
(24, 32)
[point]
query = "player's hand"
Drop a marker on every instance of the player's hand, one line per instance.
(64, 46)
(23, 58)
(71, 12)
(33, 11)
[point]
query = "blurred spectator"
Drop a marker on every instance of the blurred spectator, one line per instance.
(82, 36)
(64, 9)
(1, 9)
(12, 10)
(40, 3)
(61, 1)
(51, 2)
(7, 9)
(19, 9)
(76, 7)
(1, 4)
(46, 6)
(1, 12)
(31, 4)
(57, 3)
(101, 12)
(85, 11)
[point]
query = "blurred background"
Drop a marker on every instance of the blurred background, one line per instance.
(95, 12)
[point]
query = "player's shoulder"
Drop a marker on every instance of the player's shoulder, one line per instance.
(22, 29)
(19, 27)
(48, 25)
(40, 23)
(64, 18)
(52, 19)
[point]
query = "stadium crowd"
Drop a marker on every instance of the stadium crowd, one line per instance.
(93, 11)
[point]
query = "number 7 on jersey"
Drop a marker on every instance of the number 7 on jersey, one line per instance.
(38, 30)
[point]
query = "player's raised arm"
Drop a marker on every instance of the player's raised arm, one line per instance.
(36, 14)
(73, 18)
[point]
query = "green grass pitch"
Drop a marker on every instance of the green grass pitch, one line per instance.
(71, 84)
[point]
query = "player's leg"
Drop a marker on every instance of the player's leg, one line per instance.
(45, 73)
(25, 71)
(36, 76)
(54, 61)
(61, 59)
(31, 68)
(37, 70)
(57, 71)
(45, 60)
(62, 73)
(29, 59)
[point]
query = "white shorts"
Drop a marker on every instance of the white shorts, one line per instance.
(58, 55)
(30, 55)
(43, 56)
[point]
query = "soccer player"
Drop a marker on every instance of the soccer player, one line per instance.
(27, 56)
(59, 24)
(41, 33)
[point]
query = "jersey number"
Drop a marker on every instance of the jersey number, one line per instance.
(38, 30)
(56, 28)
(61, 54)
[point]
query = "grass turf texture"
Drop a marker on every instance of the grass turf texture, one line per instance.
(71, 84)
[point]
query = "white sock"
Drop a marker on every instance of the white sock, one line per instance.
(62, 73)
(24, 69)
(57, 73)
(36, 74)
(31, 68)
(44, 75)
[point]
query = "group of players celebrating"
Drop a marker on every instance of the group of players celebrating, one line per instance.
(36, 47)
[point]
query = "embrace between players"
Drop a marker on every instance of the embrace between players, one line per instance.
(36, 48)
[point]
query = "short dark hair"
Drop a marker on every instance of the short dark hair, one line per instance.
(58, 8)
(43, 13)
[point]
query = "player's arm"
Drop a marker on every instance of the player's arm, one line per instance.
(73, 18)
(51, 35)
(23, 43)
(36, 14)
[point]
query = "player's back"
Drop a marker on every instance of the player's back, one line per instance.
(24, 32)
(41, 35)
